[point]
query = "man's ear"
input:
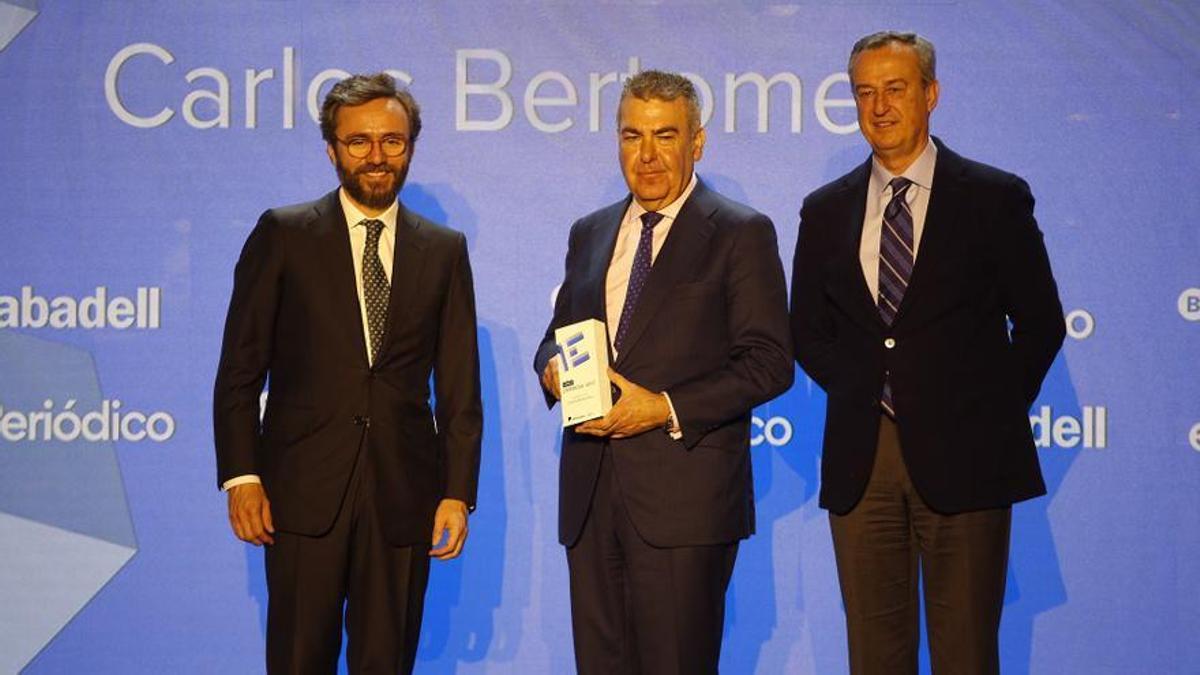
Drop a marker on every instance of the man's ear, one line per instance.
(931, 96)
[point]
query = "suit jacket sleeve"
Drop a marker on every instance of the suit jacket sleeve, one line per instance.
(813, 328)
(1028, 290)
(246, 350)
(759, 366)
(548, 347)
(459, 408)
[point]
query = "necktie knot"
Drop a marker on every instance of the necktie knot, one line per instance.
(650, 219)
(899, 186)
(374, 227)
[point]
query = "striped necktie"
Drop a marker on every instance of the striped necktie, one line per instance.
(896, 256)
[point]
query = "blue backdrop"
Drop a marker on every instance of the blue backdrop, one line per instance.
(142, 139)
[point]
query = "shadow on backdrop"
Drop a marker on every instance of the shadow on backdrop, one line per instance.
(751, 606)
(465, 619)
(1035, 582)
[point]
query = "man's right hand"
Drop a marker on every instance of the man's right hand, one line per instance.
(550, 377)
(250, 514)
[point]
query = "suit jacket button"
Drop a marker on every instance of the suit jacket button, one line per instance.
(889, 343)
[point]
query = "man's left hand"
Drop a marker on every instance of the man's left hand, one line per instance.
(450, 520)
(639, 410)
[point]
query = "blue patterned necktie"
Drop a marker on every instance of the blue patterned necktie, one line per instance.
(376, 288)
(896, 256)
(638, 274)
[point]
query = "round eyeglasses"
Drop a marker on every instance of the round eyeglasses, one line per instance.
(359, 147)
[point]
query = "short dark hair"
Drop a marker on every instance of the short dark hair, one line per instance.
(663, 86)
(926, 55)
(360, 89)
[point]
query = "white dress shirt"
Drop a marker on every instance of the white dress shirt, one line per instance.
(358, 242)
(879, 193)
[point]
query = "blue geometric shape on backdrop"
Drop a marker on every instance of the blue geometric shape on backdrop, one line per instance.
(14, 16)
(64, 521)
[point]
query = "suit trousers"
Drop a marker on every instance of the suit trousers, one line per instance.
(889, 538)
(637, 609)
(380, 588)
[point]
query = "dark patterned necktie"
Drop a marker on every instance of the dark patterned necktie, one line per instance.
(896, 258)
(375, 286)
(637, 275)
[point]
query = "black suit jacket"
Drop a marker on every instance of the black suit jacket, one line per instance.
(711, 330)
(294, 316)
(962, 381)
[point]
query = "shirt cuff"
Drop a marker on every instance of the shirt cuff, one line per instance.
(676, 431)
(240, 480)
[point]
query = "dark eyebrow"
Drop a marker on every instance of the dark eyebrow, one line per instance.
(653, 132)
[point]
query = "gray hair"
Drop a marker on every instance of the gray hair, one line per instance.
(663, 86)
(926, 56)
(360, 89)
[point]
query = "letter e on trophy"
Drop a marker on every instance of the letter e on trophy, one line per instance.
(583, 371)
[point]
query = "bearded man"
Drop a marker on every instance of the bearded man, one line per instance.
(351, 305)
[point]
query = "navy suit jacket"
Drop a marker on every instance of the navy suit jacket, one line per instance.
(294, 316)
(710, 328)
(962, 380)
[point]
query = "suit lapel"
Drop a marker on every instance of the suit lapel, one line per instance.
(407, 261)
(333, 240)
(945, 200)
(850, 286)
(686, 243)
(590, 279)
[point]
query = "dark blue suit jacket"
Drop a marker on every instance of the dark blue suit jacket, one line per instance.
(711, 330)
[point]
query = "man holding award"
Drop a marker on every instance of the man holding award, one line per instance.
(682, 292)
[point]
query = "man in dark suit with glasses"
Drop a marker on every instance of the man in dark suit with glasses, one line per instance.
(351, 305)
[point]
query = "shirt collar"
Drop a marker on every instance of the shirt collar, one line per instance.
(670, 210)
(354, 216)
(919, 172)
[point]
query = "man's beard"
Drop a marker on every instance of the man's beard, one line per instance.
(372, 198)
